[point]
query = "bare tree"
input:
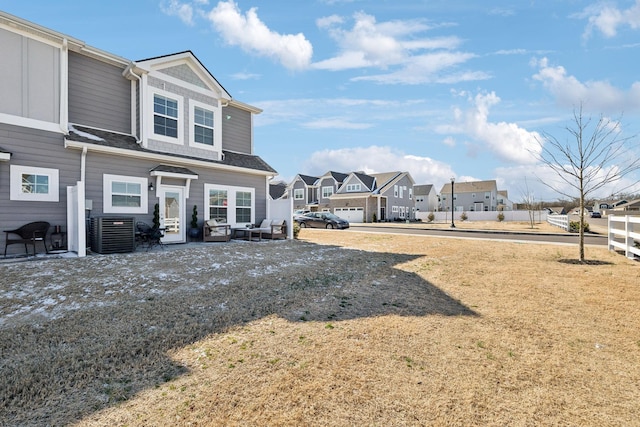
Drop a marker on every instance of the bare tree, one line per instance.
(595, 154)
(529, 203)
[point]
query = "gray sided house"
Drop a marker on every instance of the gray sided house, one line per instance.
(475, 196)
(426, 198)
(380, 197)
(88, 134)
(304, 192)
(327, 185)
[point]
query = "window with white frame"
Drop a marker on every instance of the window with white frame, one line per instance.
(124, 194)
(327, 192)
(402, 192)
(167, 116)
(202, 120)
(298, 194)
(487, 195)
(232, 205)
(33, 184)
(395, 191)
(394, 209)
(244, 203)
(410, 193)
(353, 187)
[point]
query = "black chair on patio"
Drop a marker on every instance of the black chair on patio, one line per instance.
(151, 236)
(28, 234)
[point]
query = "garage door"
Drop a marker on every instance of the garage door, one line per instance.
(350, 214)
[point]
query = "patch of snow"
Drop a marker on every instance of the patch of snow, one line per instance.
(84, 134)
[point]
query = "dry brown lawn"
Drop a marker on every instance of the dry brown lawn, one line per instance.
(335, 329)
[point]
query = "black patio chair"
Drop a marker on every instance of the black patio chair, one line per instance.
(151, 236)
(28, 234)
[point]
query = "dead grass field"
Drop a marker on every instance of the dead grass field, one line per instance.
(336, 329)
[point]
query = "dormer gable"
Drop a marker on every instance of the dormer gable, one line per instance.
(183, 69)
(180, 107)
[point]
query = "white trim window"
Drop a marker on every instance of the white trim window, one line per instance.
(410, 193)
(298, 194)
(167, 117)
(228, 204)
(353, 188)
(34, 184)
(124, 194)
(203, 132)
(327, 192)
(395, 191)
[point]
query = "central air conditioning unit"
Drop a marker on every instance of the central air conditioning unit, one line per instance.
(112, 235)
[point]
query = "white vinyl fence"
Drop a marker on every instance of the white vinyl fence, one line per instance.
(561, 221)
(624, 234)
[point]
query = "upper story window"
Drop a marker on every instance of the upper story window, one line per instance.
(33, 184)
(203, 126)
(353, 187)
(327, 192)
(410, 193)
(165, 116)
(487, 195)
(168, 116)
(395, 191)
(298, 194)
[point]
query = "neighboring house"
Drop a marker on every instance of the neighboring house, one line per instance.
(426, 198)
(304, 192)
(327, 185)
(504, 204)
(83, 130)
(557, 210)
(381, 197)
(627, 207)
(475, 196)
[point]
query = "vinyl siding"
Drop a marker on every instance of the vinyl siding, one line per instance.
(99, 96)
(98, 164)
(30, 147)
(236, 131)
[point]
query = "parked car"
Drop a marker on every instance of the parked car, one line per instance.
(596, 215)
(322, 220)
(299, 212)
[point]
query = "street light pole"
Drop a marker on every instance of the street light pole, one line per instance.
(453, 225)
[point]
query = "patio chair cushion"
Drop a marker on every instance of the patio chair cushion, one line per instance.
(266, 223)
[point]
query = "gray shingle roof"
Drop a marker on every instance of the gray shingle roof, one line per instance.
(277, 190)
(128, 142)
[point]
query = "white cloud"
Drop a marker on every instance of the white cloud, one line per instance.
(335, 123)
(378, 159)
(607, 18)
(397, 45)
(253, 36)
(184, 11)
(507, 141)
(598, 95)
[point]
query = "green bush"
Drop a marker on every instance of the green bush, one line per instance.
(296, 229)
(500, 217)
(431, 216)
(463, 216)
(574, 226)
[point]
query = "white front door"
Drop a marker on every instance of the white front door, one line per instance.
(172, 214)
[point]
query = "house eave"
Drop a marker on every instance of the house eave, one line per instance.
(77, 145)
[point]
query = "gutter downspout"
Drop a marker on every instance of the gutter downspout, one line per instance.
(83, 164)
(134, 117)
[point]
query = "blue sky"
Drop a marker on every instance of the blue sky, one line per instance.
(437, 88)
